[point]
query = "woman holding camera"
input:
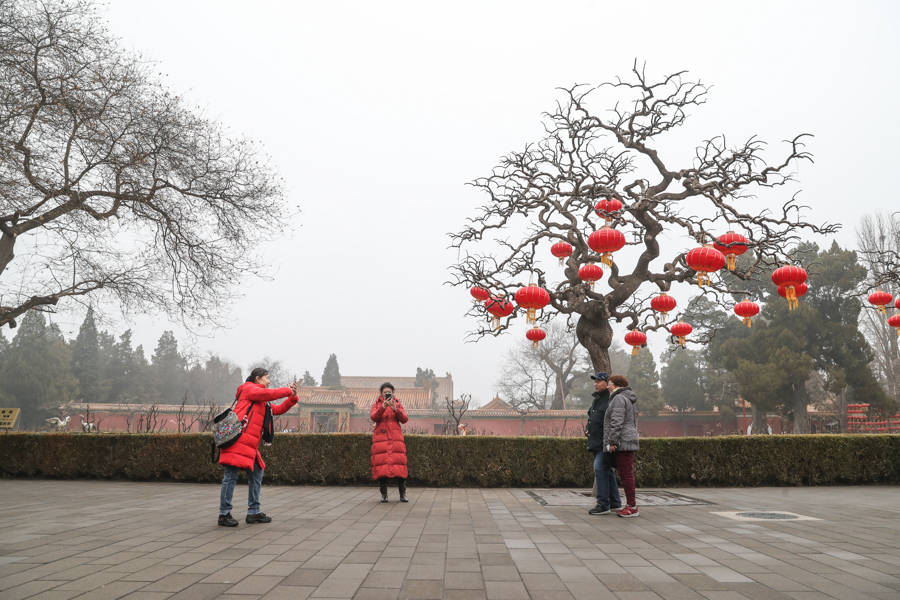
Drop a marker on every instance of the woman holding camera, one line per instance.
(388, 448)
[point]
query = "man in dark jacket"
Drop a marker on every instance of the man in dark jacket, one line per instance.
(606, 487)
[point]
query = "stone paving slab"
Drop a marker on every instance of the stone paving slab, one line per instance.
(97, 539)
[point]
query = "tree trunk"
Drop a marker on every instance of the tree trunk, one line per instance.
(801, 417)
(6, 250)
(759, 426)
(842, 410)
(595, 334)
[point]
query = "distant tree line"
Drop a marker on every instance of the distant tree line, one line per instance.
(41, 371)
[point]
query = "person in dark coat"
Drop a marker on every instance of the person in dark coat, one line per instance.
(620, 437)
(388, 447)
(605, 486)
(252, 396)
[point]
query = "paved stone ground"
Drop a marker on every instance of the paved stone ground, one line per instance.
(93, 539)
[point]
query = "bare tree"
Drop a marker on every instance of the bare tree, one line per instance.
(547, 193)
(109, 184)
(878, 238)
(456, 410)
(208, 413)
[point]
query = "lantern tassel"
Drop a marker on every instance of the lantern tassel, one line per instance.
(496, 323)
(532, 316)
(747, 321)
(561, 259)
(534, 345)
(634, 351)
(881, 309)
(681, 340)
(732, 261)
(606, 259)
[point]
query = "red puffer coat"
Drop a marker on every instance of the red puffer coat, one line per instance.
(388, 448)
(245, 450)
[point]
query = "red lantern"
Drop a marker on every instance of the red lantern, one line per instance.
(607, 208)
(606, 240)
(897, 303)
(480, 294)
(635, 338)
(790, 277)
(499, 308)
(535, 334)
(533, 298)
(746, 309)
(705, 260)
(663, 303)
(880, 299)
(799, 291)
(894, 322)
(732, 245)
(590, 273)
(561, 250)
(681, 330)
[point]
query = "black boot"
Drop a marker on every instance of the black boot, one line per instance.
(382, 484)
(402, 487)
(227, 521)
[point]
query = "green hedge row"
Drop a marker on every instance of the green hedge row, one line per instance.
(465, 461)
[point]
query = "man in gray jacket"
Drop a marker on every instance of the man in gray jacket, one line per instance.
(620, 437)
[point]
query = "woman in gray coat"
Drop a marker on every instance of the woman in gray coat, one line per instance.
(620, 436)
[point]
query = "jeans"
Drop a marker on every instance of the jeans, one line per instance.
(625, 466)
(607, 486)
(254, 483)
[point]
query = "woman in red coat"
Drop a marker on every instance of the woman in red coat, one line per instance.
(388, 448)
(252, 397)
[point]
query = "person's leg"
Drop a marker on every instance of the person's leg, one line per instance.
(382, 485)
(625, 466)
(601, 480)
(228, 482)
(615, 501)
(402, 487)
(254, 483)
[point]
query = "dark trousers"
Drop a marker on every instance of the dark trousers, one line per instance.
(624, 462)
(607, 489)
(383, 483)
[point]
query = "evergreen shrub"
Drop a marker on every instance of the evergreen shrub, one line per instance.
(464, 461)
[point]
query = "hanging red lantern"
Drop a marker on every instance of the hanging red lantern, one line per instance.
(897, 303)
(663, 303)
(746, 309)
(636, 339)
(681, 330)
(732, 245)
(894, 322)
(790, 277)
(606, 240)
(480, 294)
(532, 298)
(535, 334)
(799, 292)
(590, 273)
(499, 308)
(880, 299)
(705, 260)
(561, 250)
(607, 208)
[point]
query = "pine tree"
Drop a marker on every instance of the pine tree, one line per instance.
(86, 363)
(309, 380)
(682, 382)
(36, 372)
(644, 380)
(331, 376)
(169, 369)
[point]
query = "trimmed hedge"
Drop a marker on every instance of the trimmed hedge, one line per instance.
(465, 461)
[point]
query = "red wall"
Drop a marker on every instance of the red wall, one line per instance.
(668, 426)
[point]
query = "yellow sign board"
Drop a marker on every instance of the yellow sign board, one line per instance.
(8, 417)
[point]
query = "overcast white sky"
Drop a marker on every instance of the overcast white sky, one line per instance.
(377, 113)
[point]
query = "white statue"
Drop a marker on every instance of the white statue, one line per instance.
(87, 426)
(57, 423)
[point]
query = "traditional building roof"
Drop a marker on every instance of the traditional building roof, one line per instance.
(497, 405)
(444, 384)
